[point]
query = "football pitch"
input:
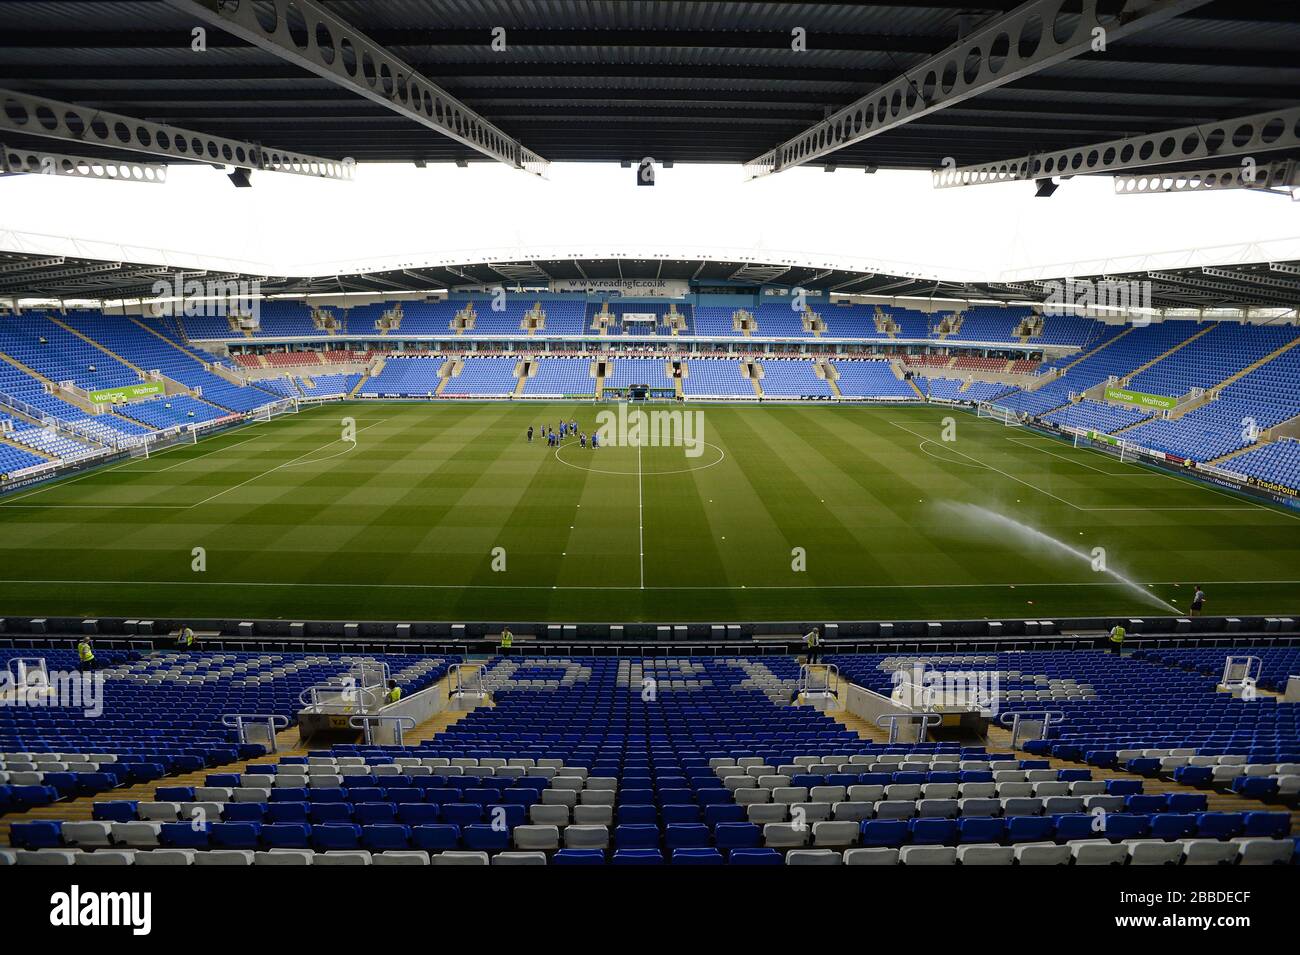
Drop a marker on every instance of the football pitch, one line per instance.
(443, 511)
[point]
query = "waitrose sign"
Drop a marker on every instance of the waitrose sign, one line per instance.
(1161, 402)
(115, 396)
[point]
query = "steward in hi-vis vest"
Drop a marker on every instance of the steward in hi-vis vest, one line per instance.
(1116, 639)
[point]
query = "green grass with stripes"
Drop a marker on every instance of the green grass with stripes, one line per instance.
(403, 525)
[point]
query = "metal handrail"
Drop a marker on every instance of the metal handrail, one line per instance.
(829, 670)
(459, 687)
(1250, 669)
(1048, 719)
(364, 696)
(363, 669)
(891, 719)
(240, 722)
(15, 666)
(366, 722)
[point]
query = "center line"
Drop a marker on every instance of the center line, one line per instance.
(640, 515)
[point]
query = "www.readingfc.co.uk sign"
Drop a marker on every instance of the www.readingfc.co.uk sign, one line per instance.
(115, 396)
(1162, 402)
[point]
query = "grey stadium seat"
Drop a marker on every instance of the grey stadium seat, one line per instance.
(1208, 852)
(400, 857)
(938, 808)
(541, 815)
(784, 835)
(760, 813)
(985, 855)
(980, 807)
(519, 858)
(284, 857)
(593, 815)
(586, 837)
(165, 857)
(1042, 853)
(1256, 851)
(851, 811)
(1022, 806)
(835, 835)
(87, 835)
(537, 837)
(141, 835)
(46, 857)
(895, 809)
(1151, 852)
(342, 857)
(224, 857)
(873, 856)
(928, 855)
(107, 857)
(1097, 852)
(812, 857)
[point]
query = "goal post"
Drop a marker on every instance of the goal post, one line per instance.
(275, 409)
(1108, 444)
(1004, 415)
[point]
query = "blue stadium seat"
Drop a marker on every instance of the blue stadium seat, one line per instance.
(327, 836)
(121, 810)
(1194, 775)
(634, 836)
(981, 829)
(1029, 828)
(1271, 825)
(1186, 802)
(235, 835)
(42, 834)
(417, 813)
(935, 832)
(755, 857)
(1126, 825)
(681, 835)
(244, 812)
(381, 837)
(1220, 825)
(184, 835)
(287, 812)
(485, 838)
(286, 835)
(884, 832)
(1170, 826)
(637, 857)
(697, 857)
(436, 838)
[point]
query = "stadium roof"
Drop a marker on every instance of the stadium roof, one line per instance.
(1269, 284)
(675, 80)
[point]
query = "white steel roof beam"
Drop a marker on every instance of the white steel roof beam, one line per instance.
(1024, 41)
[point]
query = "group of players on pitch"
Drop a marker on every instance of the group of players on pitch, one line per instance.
(555, 436)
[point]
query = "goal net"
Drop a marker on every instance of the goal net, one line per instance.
(1005, 415)
(1104, 442)
(275, 409)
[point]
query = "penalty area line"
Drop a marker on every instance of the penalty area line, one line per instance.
(291, 463)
